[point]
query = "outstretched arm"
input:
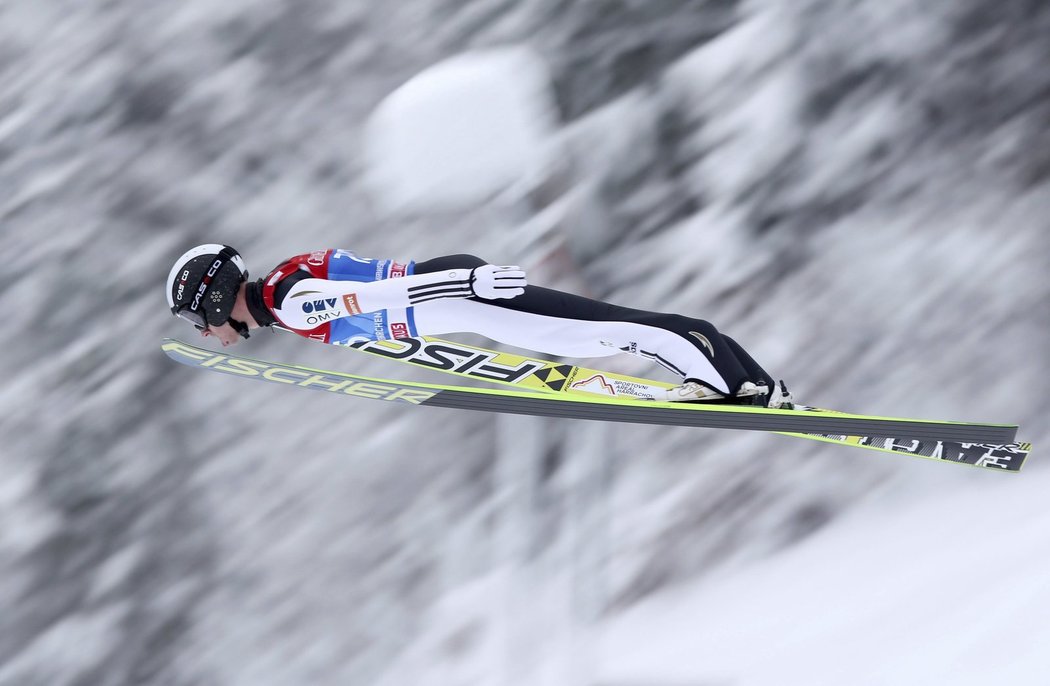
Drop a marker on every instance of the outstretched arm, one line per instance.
(337, 299)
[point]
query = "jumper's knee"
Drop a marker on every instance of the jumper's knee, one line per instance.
(465, 261)
(461, 261)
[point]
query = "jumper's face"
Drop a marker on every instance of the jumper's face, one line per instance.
(226, 334)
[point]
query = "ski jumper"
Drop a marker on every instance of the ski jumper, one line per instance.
(336, 297)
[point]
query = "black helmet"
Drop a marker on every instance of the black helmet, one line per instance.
(203, 285)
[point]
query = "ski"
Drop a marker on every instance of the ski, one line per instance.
(577, 406)
(540, 375)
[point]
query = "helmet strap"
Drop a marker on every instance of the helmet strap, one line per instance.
(239, 327)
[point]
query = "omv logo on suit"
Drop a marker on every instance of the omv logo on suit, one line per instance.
(320, 311)
(319, 305)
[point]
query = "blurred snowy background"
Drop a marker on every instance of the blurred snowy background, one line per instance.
(858, 191)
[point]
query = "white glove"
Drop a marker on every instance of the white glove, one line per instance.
(490, 282)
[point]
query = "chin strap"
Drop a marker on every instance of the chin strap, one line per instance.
(239, 327)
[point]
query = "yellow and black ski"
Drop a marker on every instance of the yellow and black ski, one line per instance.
(551, 389)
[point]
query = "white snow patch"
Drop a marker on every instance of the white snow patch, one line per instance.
(926, 589)
(945, 590)
(460, 132)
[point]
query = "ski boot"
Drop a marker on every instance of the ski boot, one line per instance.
(780, 398)
(692, 390)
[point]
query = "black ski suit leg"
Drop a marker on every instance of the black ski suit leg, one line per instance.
(449, 262)
(754, 371)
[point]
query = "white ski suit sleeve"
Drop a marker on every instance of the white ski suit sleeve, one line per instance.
(340, 299)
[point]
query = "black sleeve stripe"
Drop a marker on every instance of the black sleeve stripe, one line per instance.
(435, 293)
(417, 301)
(439, 284)
(441, 288)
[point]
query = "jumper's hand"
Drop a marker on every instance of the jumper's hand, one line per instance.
(490, 282)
